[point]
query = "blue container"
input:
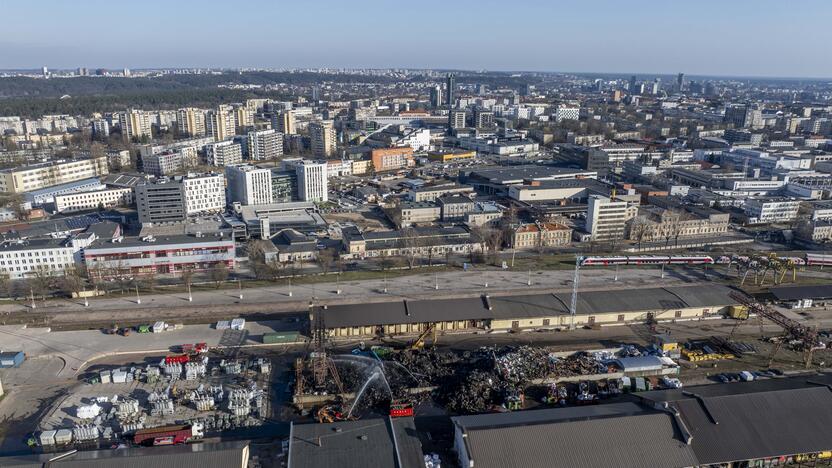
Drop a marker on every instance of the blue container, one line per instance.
(11, 359)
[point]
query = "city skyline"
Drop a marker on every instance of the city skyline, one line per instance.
(645, 38)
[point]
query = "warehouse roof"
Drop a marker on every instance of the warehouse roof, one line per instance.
(749, 426)
(222, 455)
(793, 293)
(577, 437)
(358, 444)
(535, 305)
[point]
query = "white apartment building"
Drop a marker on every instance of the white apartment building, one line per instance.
(224, 153)
(84, 201)
(134, 124)
(164, 164)
(19, 259)
(249, 185)
(312, 181)
(37, 176)
(265, 144)
(771, 210)
(204, 193)
(322, 135)
(605, 219)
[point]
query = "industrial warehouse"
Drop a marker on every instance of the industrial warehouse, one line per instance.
(527, 312)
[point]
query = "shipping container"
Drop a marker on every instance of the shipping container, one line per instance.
(159, 327)
(282, 337)
(11, 359)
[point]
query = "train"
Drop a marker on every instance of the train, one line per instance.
(648, 260)
(807, 259)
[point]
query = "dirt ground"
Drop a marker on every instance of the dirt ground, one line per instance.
(371, 221)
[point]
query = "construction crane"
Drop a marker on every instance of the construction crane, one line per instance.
(419, 342)
(807, 336)
(322, 365)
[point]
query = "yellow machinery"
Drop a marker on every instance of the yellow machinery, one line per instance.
(419, 342)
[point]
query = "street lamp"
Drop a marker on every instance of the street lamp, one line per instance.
(138, 299)
(86, 301)
(290, 286)
(529, 281)
(190, 296)
(32, 292)
(240, 284)
(338, 283)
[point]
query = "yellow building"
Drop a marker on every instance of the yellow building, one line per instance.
(450, 155)
(38, 176)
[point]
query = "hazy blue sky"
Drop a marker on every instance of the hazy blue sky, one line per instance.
(725, 37)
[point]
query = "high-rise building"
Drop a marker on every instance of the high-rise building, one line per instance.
(632, 87)
(743, 116)
(190, 121)
(483, 118)
(312, 181)
(220, 123)
(224, 153)
(244, 117)
(450, 90)
(265, 144)
(436, 97)
(605, 218)
(126, 72)
(82, 71)
(284, 122)
(316, 93)
(655, 86)
(680, 82)
(456, 119)
(44, 72)
(284, 186)
(322, 136)
(249, 185)
(100, 128)
(134, 124)
(204, 193)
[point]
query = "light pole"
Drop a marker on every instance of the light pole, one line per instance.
(86, 301)
(385, 284)
(240, 285)
(338, 283)
(529, 281)
(32, 292)
(435, 281)
(290, 286)
(190, 296)
(138, 298)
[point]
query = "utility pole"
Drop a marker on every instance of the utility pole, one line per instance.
(573, 306)
(138, 298)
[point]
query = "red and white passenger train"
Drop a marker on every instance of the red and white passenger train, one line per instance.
(808, 259)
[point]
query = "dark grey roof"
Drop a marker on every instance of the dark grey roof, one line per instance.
(222, 455)
(791, 293)
(759, 425)
(521, 306)
(356, 444)
(504, 175)
(615, 435)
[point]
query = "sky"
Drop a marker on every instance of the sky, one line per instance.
(783, 38)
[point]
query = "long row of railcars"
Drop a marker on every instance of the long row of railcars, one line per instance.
(808, 259)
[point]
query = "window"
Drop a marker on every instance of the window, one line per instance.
(515, 324)
(620, 317)
(545, 322)
(678, 313)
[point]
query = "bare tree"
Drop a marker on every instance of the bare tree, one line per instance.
(40, 283)
(412, 246)
(187, 275)
(639, 228)
(670, 219)
(72, 282)
(219, 273)
(325, 259)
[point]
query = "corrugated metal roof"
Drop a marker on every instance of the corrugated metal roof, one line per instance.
(638, 440)
(356, 444)
(759, 425)
(793, 293)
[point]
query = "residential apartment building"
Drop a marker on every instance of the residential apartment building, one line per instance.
(170, 162)
(456, 119)
(771, 210)
(540, 235)
(92, 200)
(322, 136)
(135, 124)
(265, 144)
(284, 122)
(605, 219)
(20, 259)
(169, 255)
(36, 176)
(249, 185)
(204, 193)
(224, 153)
(220, 123)
(312, 181)
(190, 121)
(567, 113)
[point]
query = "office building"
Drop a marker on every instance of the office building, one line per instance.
(450, 90)
(567, 113)
(680, 82)
(190, 121)
(605, 219)
(436, 97)
(37, 176)
(322, 136)
(483, 118)
(135, 125)
(169, 162)
(220, 123)
(163, 255)
(265, 144)
(93, 200)
(161, 202)
(249, 185)
(204, 193)
(20, 259)
(390, 159)
(456, 119)
(224, 153)
(284, 122)
(771, 210)
(312, 181)
(284, 186)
